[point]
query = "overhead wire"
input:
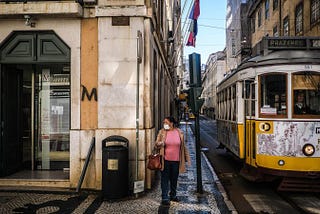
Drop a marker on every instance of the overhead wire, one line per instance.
(187, 21)
(179, 21)
(181, 45)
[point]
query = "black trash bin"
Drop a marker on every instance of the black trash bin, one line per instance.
(115, 167)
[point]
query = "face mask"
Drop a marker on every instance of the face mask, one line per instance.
(166, 126)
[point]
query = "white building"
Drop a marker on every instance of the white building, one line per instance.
(237, 33)
(214, 73)
(76, 72)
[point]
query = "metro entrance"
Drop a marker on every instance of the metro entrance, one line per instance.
(35, 103)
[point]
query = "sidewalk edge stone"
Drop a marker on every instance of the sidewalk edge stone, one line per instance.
(229, 204)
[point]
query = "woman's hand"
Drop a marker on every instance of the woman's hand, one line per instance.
(160, 144)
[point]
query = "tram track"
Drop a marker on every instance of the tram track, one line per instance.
(304, 203)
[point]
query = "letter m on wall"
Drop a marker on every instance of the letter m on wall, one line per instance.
(89, 95)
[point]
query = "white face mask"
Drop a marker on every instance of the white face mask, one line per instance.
(166, 126)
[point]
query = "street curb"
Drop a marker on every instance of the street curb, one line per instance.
(220, 187)
(46, 190)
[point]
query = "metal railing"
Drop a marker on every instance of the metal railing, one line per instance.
(85, 167)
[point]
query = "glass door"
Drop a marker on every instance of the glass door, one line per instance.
(52, 117)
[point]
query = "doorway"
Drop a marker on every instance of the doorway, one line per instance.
(34, 103)
(35, 112)
(250, 123)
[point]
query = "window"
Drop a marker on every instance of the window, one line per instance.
(306, 94)
(259, 18)
(286, 26)
(315, 11)
(275, 4)
(249, 95)
(234, 103)
(253, 25)
(53, 104)
(273, 95)
(229, 113)
(233, 47)
(275, 31)
(266, 5)
(224, 104)
(299, 19)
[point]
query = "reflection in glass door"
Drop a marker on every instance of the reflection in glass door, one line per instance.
(52, 107)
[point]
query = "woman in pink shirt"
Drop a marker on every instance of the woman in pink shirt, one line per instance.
(170, 141)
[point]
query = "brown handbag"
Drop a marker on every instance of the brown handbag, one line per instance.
(154, 161)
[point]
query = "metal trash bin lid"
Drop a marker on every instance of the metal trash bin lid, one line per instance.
(116, 143)
(115, 140)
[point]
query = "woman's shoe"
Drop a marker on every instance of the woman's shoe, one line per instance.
(175, 199)
(165, 202)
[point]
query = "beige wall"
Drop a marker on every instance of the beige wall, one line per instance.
(121, 2)
(117, 82)
(88, 108)
(89, 72)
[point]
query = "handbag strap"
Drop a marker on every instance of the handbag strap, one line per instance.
(155, 151)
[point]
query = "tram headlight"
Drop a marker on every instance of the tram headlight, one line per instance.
(308, 150)
(281, 162)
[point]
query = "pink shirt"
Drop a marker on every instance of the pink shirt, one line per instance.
(172, 146)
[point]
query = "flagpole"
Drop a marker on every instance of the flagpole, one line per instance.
(181, 43)
(186, 19)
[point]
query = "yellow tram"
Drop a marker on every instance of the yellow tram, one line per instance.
(269, 114)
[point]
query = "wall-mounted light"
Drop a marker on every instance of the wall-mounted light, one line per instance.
(29, 21)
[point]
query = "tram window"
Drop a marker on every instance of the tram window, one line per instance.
(253, 97)
(273, 99)
(225, 104)
(249, 93)
(306, 94)
(229, 104)
(234, 103)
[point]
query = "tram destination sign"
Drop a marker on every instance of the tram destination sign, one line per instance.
(304, 43)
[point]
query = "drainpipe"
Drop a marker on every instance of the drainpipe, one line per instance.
(280, 18)
(139, 60)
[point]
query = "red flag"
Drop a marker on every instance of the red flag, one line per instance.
(195, 12)
(194, 15)
(191, 40)
(196, 9)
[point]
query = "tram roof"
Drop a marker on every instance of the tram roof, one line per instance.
(277, 58)
(283, 57)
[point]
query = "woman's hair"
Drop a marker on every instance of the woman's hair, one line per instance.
(171, 120)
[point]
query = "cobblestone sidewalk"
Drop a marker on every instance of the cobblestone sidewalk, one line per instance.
(211, 201)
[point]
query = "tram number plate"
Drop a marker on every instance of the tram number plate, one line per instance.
(315, 43)
(317, 130)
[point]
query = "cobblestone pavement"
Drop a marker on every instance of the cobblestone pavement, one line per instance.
(212, 201)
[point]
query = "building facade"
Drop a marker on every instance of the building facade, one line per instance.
(237, 37)
(72, 72)
(282, 18)
(214, 73)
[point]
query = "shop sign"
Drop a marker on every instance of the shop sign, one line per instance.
(279, 43)
(305, 43)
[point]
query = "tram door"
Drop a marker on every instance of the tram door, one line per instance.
(11, 129)
(250, 129)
